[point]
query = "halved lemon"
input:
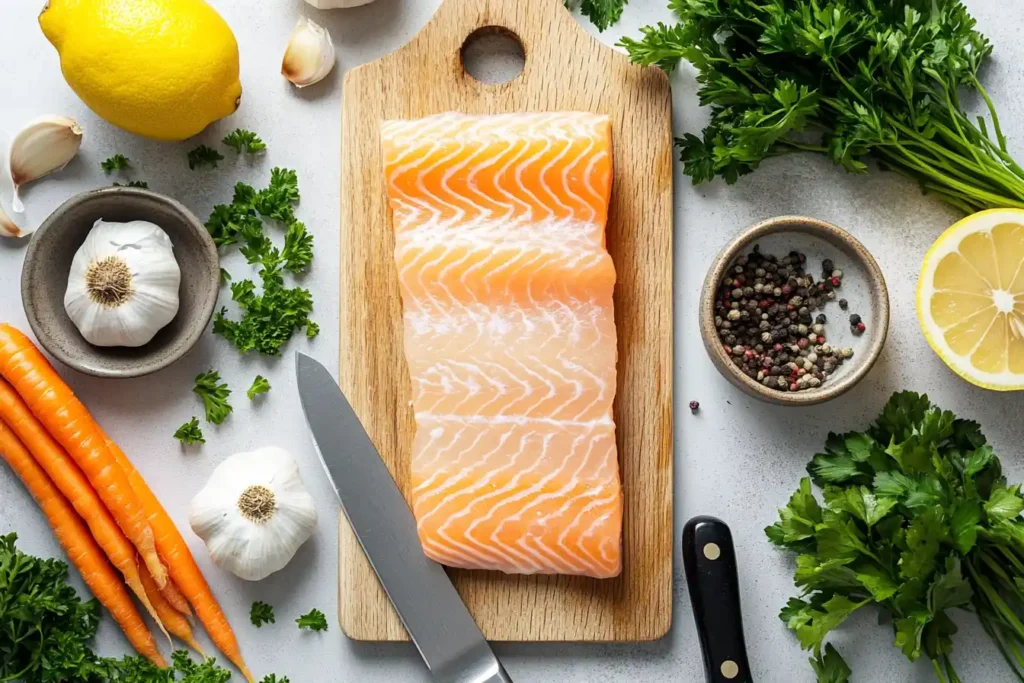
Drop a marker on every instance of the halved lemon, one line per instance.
(970, 299)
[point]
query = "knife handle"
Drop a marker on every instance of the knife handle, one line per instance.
(709, 559)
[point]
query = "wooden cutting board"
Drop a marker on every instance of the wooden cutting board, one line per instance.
(566, 69)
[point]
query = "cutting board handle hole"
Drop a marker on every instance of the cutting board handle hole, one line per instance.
(493, 55)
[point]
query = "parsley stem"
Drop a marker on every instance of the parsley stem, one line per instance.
(938, 671)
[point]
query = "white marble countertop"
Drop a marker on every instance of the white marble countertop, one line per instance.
(737, 459)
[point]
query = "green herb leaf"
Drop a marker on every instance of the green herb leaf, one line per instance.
(833, 613)
(313, 621)
(830, 667)
(243, 140)
(272, 678)
(203, 156)
(261, 613)
(214, 395)
(797, 521)
(603, 13)
(963, 525)
(190, 433)
(118, 162)
(260, 385)
(1004, 503)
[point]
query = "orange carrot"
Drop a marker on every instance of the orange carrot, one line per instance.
(175, 622)
(71, 425)
(181, 565)
(81, 548)
(73, 485)
(172, 594)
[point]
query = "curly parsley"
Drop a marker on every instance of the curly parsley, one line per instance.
(242, 140)
(133, 183)
(313, 621)
(118, 162)
(272, 313)
(190, 433)
(214, 395)
(203, 156)
(603, 13)
(261, 613)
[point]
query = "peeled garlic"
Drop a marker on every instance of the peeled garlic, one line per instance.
(123, 285)
(254, 513)
(310, 54)
(43, 146)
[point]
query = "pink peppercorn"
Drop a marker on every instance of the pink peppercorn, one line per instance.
(861, 327)
(804, 343)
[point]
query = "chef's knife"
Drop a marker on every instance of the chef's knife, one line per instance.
(709, 559)
(433, 613)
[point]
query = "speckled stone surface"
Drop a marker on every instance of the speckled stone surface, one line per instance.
(737, 458)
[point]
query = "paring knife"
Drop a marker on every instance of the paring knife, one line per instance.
(709, 559)
(437, 620)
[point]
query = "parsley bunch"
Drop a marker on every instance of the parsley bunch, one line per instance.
(45, 630)
(272, 315)
(850, 79)
(917, 520)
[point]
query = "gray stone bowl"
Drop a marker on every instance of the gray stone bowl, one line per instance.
(44, 280)
(863, 286)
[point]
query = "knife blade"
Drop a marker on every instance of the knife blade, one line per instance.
(431, 610)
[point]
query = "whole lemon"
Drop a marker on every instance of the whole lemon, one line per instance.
(164, 69)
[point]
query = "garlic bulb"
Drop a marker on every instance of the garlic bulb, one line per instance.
(334, 4)
(43, 146)
(123, 285)
(254, 513)
(309, 56)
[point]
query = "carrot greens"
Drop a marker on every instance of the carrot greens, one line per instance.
(915, 520)
(850, 79)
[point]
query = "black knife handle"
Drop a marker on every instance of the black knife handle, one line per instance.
(710, 562)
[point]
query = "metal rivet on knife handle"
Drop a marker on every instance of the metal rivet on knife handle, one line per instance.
(712, 552)
(729, 668)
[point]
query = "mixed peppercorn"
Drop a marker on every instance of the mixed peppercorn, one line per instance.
(765, 316)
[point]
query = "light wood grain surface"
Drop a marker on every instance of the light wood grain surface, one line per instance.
(565, 69)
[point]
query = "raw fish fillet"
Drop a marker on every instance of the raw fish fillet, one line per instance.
(510, 338)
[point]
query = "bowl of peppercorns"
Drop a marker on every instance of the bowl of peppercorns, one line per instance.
(794, 311)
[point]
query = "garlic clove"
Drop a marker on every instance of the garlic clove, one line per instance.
(309, 56)
(45, 145)
(8, 228)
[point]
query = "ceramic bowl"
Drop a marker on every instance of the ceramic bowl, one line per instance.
(863, 286)
(44, 280)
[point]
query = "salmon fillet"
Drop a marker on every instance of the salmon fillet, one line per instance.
(509, 334)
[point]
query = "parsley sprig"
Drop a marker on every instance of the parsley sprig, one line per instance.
(118, 162)
(851, 80)
(915, 518)
(203, 156)
(271, 314)
(261, 613)
(214, 394)
(190, 433)
(260, 385)
(603, 13)
(314, 620)
(242, 140)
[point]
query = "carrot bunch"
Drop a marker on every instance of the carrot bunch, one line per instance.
(112, 527)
